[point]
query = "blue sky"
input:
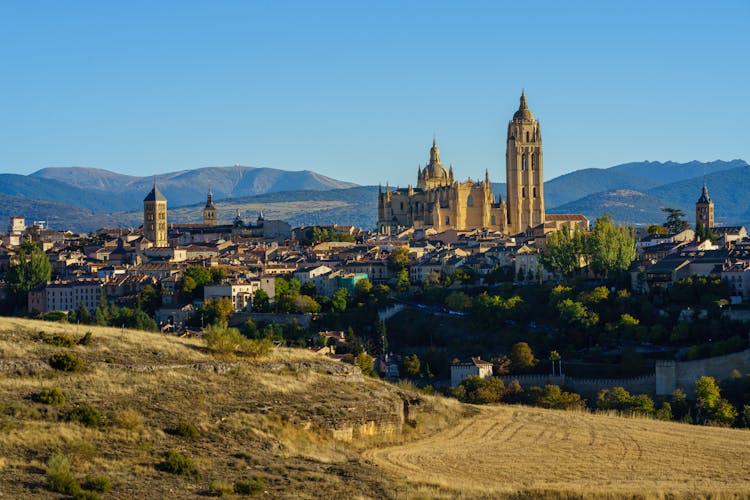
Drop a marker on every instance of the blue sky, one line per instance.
(355, 90)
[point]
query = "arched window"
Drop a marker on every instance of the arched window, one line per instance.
(523, 161)
(470, 201)
(533, 162)
(527, 136)
(523, 192)
(534, 192)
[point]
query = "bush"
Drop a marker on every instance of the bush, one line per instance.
(184, 429)
(100, 484)
(178, 463)
(129, 419)
(86, 339)
(59, 476)
(253, 486)
(61, 340)
(85, 414)
(65, 362)
(53, 396)
(224, 340)
(220, 488)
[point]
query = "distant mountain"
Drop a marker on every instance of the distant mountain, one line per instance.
(58, 215)
(624, 205)
(189, 186)
(578, 184)
(60, 192)
(669, 172)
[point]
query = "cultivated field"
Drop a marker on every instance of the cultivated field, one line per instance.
(530, 452)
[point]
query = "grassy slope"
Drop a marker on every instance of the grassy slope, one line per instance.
(272, 419)
(268, 419)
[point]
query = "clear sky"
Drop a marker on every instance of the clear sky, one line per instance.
(355, 90)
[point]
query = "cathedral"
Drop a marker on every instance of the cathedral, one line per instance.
(440, 202)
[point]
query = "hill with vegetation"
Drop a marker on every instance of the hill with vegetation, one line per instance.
(146, 415)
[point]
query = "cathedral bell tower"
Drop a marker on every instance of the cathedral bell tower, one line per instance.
(524, 171)
(209, 212)
(704, 209)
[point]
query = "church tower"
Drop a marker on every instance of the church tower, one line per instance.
(704, 209)
(209, 212)
(155, 217)
(524, 171)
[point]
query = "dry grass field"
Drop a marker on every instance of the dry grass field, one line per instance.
(285, 421)
(529, 452)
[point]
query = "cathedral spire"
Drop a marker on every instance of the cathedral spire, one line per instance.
(523, 100)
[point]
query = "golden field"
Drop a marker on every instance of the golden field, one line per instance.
(312, 428)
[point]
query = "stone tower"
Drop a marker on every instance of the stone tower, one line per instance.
(209, 211)
(524, 171)
(155, 217)
(704, 209)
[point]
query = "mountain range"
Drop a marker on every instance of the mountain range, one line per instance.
(84, 199)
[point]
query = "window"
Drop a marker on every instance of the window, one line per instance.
(402, 205)
(447, 219)
(527, 136)
(534, 193)
(533, 162)
(523, 192)
(492, 220)
(523, 161)
(470, 201)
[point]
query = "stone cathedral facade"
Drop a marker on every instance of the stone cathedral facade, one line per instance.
(440, 202)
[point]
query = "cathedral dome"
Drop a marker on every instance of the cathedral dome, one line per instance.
(523, 113)
(435, 169)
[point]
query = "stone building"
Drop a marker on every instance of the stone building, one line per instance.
(704, 209)
(442, 203)
(155, 218)
(209, 211)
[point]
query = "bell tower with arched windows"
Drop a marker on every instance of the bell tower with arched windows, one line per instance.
(523, 171)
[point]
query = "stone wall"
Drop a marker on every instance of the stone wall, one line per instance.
(673, 374)
(587, 387)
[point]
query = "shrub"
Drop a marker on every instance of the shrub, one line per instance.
(129, 419)
(53, 396)
(86, 339)
(252, 486)
(184, 429)
(100, 484)
(59, 476)
(61, 340)
(224, 340)
(178, 463)
(220, 488)
(65, 362)
(85, 414)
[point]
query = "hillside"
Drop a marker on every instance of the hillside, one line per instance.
(625, 206)
(668, 172)
(311, 428)
(287, 420)
(60, 192)
(190, 186)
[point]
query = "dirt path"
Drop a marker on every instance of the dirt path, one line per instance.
(513, 448)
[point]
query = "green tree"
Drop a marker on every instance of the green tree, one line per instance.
(362, 289)
(366, 363)
(187, 289)
(216, 311)
(309, 288)
(149, 299)
(304, 304)
(399, 258)
(575, 314)
(33, 269)
(402, 280)
(261, 301)
(612, 248)
(458, 301)
(562, 252)
(339, 300)
(82, 314)
(411, 365)
(711, 407)
(522, 359)
(676, 221)
(381, 338)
